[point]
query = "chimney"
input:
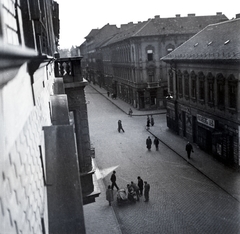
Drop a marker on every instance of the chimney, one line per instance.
(219, 13)
(157, 16)
(238, 16)
(191, 15)
(178, 15)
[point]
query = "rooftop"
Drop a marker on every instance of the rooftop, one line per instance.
(220, 41)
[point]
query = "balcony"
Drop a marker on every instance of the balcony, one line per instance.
(69, 69)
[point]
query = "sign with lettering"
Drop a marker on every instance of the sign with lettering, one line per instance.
(206, 121)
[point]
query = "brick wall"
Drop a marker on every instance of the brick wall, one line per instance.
(23, 197)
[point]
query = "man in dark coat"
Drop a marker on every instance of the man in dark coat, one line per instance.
(113, 180)
(156, 142)
(152, 120)
(148, 122)
(149, 143)
(189, 149)
(146, 191)
(120, 126)
(140, 185)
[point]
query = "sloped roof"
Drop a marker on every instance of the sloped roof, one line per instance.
(92, 33)
(167, 26)
(127, 33)
(219, 41)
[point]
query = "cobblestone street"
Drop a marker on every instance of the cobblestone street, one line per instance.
(182, 198)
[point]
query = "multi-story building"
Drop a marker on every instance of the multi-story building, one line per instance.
(45, 157)
(203, 82)
(129, 60)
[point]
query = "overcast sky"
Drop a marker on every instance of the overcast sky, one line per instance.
(79, 17)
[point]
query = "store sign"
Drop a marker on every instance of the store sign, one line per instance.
(206, 121)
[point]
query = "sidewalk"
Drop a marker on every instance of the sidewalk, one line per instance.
(224, 177)
(123, 106)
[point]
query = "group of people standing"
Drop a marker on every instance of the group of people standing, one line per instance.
(150, 120)
(149, 143)
(141, 188)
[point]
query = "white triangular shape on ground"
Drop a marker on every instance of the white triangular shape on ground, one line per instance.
(102, 173)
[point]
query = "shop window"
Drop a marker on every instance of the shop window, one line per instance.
(201, 79)
(220, 92)
(210, 90)
(232, 92)
(180, 85)
(186, 84)
(193, 85)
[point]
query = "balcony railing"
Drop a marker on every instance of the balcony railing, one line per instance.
(69, 69)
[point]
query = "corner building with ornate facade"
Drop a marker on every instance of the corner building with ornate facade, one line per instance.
(203, 82)
(129, 61)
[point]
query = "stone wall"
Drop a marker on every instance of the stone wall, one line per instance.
(24, 111)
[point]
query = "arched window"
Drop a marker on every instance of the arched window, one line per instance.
(170, 74)
(193, 85)
(180, 85)
(186, 84)
(220, 91)
(232, 91)
(210, 90)
(201, 81)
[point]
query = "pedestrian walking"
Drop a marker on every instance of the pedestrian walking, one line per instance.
(189, 149)
(120, 126)
(148, 122)
(109, 195)
(140, 185)
(113, 180)
(108, 93)
(156, 143)
(152, 120)
(130, 112)
(146, 191)
(136, 189)
(149, 143)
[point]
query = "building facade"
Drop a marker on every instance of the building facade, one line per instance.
(129, 61)
(203, 83)
(45, 161)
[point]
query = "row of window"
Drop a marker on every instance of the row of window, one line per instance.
(206, 88)
(34, 24)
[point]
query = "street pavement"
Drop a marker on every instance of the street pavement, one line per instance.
(98, 215)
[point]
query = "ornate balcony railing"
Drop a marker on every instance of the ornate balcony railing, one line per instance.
(69, 69)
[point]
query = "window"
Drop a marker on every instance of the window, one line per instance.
(193, 85)
(210, 94)
(150, 55)
(201, 79)
(232, 92)
(220, 91)
(10, 11)
(169, 48)
(186, 84)
(180, 85)
(170, 73)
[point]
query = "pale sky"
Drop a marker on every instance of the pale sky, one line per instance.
(79, 17)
